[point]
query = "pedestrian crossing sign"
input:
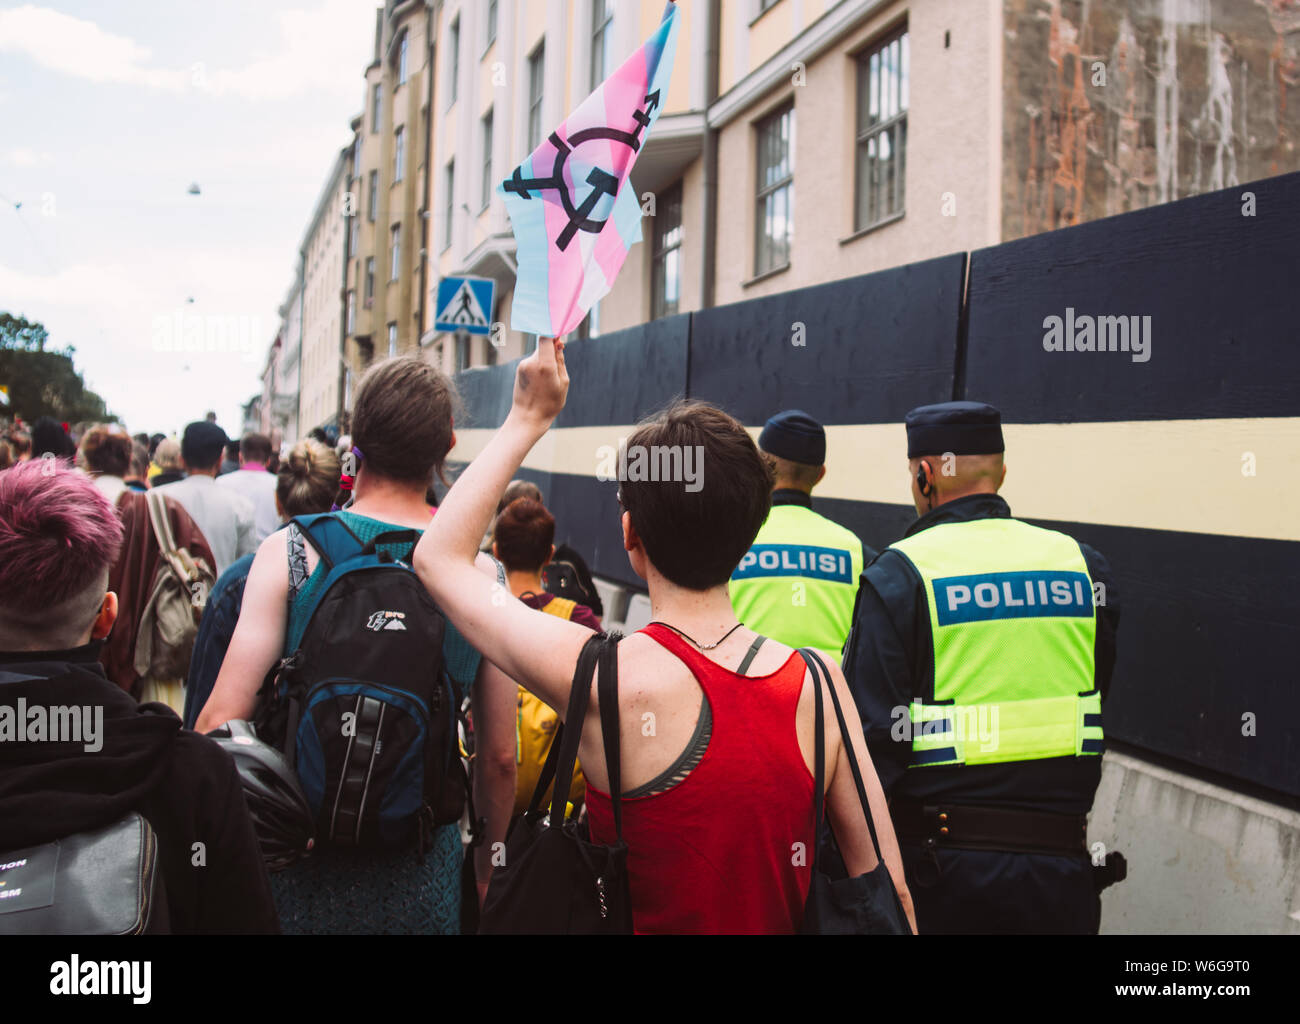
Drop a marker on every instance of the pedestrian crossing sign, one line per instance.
(465, 304)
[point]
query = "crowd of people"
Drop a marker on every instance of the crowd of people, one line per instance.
(371, 681)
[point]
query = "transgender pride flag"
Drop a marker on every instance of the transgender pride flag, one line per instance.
(573, 216)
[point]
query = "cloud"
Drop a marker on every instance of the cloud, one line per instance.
(73, 46)
(23, 156)
(320, 50)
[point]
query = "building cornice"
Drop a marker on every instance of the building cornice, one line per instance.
(806, 47)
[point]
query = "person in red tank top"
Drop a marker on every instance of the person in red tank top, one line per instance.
(716, 762)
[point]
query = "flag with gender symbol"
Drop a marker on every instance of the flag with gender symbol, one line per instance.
(573, 213)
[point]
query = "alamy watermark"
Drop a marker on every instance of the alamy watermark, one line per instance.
(1073, 333)
(656, 463)
(59, 723)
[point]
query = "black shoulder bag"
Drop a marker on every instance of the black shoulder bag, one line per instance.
(868, 904)
(554, 880)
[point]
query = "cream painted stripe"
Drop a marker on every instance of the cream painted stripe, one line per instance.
(1184, 475)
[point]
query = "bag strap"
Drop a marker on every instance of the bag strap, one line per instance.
(607, 693)
(406, 536)
(818, 670)
(564, 745)
(159, 520)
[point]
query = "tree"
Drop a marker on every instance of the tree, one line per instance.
(41, 382)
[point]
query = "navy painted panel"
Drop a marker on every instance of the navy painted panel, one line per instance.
(873, 347)
(1208, 630)
(615, 378)
(1218, 287)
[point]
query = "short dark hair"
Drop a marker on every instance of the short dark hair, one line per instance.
(255, 448)
(524, 534)
(107, 449)
(202, 445)
(697, 538)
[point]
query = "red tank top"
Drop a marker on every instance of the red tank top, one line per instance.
(727, 850)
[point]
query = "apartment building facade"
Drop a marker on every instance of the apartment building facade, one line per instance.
(322, 258)
(802, 141)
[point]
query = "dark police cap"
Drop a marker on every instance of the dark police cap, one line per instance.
(796, 436)
(963, 428)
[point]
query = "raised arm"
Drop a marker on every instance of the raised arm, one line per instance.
(258, 640)
(540, 651)
(844, 807)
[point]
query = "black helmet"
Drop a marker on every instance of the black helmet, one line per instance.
(283, 820)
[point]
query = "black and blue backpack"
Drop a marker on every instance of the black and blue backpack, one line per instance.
(363, 706)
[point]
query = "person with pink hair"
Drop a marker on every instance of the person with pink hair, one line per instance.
(59, 536)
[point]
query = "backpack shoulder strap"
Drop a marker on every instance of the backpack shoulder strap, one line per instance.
(330, 536)
(161, 522)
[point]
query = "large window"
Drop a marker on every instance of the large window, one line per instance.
(376, 98)
(882, 132)
(401, 59)
(449, 207)
(602, 40)
(454, 43)
(352, 311)
(392, 340)
(666, 269)
(487, 158)
(491, 23)
(372, 202)
(399, 154)
(396, 249)
(354, 235)
(370, 280)
(536, 84)
(774, 226)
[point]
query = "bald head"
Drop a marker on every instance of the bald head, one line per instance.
(937, 479)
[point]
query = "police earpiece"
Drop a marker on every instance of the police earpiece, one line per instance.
(923, 481)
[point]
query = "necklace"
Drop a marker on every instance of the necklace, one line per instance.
(703, 647)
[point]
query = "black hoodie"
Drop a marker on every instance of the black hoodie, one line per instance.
(182, 783)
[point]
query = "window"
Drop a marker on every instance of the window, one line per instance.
(487, 158)
(401, 59)
(774, 226)
(354, 235)
(462, 352)
(602, 40)
(397, 252)
(536, 82)
(882, 133)
(352, 311)
(399, 154)
(491, 23)
(372, 206)
(375, 100)
(763, 5)
(666, 268)
(392, 340)
(370, 280)
(454, 43)
(450, 207)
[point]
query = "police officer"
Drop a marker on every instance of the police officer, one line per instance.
(982, 648)
(796, 584)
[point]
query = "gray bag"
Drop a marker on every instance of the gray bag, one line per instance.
(170, 623)
(103, 882)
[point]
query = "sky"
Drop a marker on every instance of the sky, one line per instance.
(108, 113)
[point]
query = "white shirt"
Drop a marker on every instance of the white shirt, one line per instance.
(226, 518)
(258, 486)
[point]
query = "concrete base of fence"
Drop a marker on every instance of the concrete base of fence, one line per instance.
(1202, 859)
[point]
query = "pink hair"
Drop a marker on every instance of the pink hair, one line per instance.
(58, 533)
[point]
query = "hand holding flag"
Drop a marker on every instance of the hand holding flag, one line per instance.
(574, 219)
